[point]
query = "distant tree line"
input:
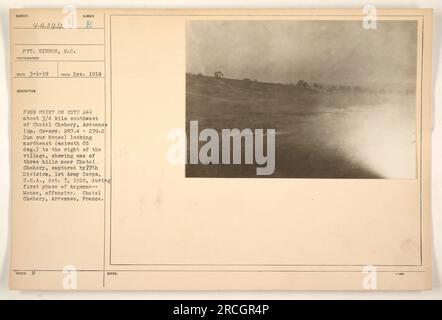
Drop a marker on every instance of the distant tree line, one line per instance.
(327, 88)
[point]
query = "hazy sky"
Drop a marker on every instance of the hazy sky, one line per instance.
(329, 52)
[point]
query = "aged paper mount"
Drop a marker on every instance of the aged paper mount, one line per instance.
(220, 149)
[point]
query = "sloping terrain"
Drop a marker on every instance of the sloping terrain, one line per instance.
(313, 125)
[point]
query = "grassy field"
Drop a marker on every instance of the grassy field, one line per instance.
(314, 126)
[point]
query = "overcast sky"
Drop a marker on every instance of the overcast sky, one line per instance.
(329, 52)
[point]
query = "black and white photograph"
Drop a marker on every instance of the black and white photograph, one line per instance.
(338, 97)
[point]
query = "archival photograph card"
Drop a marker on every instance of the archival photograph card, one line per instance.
(220, 149)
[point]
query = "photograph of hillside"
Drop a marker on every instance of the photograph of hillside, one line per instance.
(341, 98)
